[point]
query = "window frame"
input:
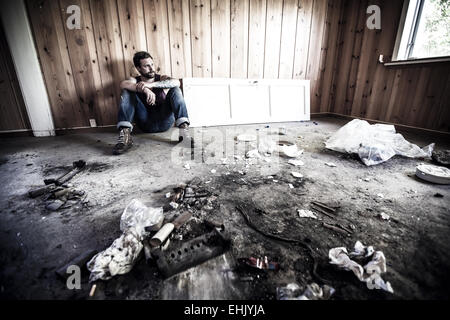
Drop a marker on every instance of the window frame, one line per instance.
(399, 57)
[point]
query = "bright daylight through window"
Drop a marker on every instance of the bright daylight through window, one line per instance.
(426, 30)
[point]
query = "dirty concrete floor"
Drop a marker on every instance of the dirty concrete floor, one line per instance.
(35, 242)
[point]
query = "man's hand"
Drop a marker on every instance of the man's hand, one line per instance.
(150, 95)
(141, 86)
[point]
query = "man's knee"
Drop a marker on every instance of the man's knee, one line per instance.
(125, 94)
(175, 92)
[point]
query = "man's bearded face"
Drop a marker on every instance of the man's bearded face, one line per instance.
(147, 68)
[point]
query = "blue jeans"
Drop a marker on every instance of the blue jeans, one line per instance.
(152, 119)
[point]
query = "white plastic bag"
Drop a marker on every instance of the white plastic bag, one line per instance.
(374, 143)
(137, 216)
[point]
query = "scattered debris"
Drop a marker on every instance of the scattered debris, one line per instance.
(434, 174)
(313, 292)
(246, 137)
(319, 209)
(384, 216)
(92, 292)
(191, 253)
(78, 166)
(120, 257)
(253, 154)
(260, 263)
(174, 205)
(374, 143)
(79, 261)
(330, 164)
(296, 163)
(338, 228)
(289, 150)
(297, 174)
(371, 273)
(441, 157)
(54, 205)
(266, 146)
(306, 214)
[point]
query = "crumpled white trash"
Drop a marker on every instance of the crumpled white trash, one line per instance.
(313, 292)
(120, 257)
(374, 143)
(371, 273)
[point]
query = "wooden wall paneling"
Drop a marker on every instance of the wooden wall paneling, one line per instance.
(304, 15)
(345, 60)
(239, 38)
(273, 38)
(82, 54)
(395, 93)
(221, 38)
(403, 103)
(12, 106)
(110, 55)
(288, 29)
(338, 58)
(435, 92)
(360, 57)
(180, 38)
(413, 117)
(157, 32)
(443, 118)
(48, 30)
(391, 11)
(317, 85)
(132, 28)
(201, 37)
(333, 22)
(315, 38)
(256, 41)
(316, 50)
(368, 63)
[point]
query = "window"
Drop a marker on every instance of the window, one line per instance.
(424, 30)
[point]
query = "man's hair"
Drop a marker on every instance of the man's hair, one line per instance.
(139, 56)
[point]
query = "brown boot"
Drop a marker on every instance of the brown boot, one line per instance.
(124, 142)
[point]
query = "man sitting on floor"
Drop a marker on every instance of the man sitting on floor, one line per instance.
(154, 101)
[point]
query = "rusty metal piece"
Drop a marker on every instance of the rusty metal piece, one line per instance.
(191, 253)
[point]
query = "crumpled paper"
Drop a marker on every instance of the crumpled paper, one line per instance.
(371, 273)
(120, 257)
(313, 292)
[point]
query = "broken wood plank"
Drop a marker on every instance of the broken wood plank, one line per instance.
(322, 205)
(321, 211)
(335, 228)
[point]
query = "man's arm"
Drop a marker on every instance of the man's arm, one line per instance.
(129, 84)
(165, 82)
